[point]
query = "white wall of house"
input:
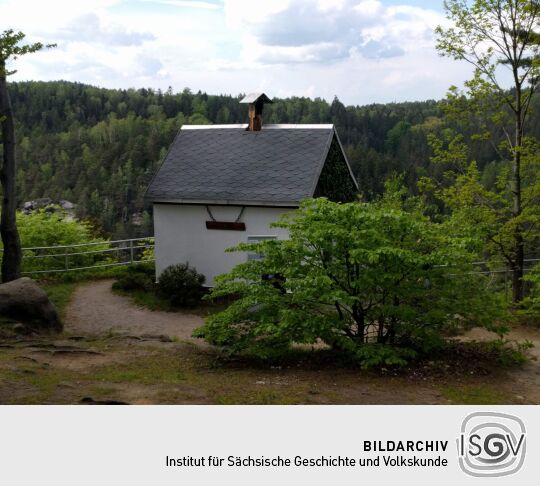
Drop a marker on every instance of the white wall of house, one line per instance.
(181, 236)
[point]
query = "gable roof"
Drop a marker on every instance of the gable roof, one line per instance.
(225, 164)
(254, 97)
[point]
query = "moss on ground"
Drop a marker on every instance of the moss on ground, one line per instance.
(476, 395)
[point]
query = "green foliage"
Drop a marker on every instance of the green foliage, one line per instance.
(60, 294)
(371, 280)
(45, 228)
(531, 305)
(11, 48)
(136, 277)
(182, 285)
(396, 134)
(99, 148)
(507, 354)
(493, 36)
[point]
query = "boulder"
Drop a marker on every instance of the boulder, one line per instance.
(67, 205)
(24, 301)
(30, 206)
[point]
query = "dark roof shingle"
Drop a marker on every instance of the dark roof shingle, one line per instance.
(277, 165)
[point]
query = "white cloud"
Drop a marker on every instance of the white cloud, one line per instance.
(187, 4)
(291, 28)
(361, 50)
(90, 28)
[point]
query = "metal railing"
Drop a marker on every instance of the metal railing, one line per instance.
(85, 256)
(501, 277)
(103, 254)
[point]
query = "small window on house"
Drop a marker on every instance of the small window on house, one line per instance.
(257, 239)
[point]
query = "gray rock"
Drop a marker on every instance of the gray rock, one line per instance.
(37, 204)
(24, 301)
(67, 205)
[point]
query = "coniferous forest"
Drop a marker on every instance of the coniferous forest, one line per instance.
(98, 148)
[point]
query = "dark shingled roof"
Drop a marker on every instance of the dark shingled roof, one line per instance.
(278, 165)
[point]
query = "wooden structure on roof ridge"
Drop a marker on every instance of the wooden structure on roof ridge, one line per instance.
(256, 103)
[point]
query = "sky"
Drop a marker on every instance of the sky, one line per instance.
(363, 51)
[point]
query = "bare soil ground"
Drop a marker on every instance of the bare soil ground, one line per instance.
(524, 381)
(113, 351)
(96, 310)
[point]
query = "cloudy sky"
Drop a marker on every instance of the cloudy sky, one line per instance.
(363, 51)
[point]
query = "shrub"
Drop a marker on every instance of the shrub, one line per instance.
(375, 282)
(136, 277)
(43, 228)
(531, 305)
(182, 285)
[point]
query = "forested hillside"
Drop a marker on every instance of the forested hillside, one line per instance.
(99, 147)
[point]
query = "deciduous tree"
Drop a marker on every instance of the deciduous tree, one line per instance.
(499, 39)
(372, 280)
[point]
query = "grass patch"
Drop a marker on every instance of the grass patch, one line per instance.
(475, 395)
(147, 299)
(81, 275)
(32, 383)
(60, 294)
(154, 368)
(151, 301)
(188, 374)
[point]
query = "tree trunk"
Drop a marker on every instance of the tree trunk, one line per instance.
(11, 260)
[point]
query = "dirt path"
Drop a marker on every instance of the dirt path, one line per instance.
(95, 309)
(112, 352)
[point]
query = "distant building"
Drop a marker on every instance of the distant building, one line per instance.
(221, 185)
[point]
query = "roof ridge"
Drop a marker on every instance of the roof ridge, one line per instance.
(320, 126)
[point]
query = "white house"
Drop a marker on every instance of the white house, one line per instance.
(220, 185)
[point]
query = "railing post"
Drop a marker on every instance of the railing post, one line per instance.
(112, 247)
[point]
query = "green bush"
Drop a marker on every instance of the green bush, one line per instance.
(48, 229)
(375, 282)
(182, 285)
(136, 277)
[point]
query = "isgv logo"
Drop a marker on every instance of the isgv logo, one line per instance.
(491, 444)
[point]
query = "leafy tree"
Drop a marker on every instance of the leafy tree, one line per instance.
(46, 228)
(10, 49)
(495, 36)
(370, 279)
